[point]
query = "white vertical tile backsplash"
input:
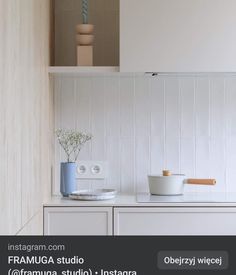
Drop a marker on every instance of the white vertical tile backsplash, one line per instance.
(187, 125)
(142, 158)
(202, 101)
(141, 125)
(218, 131)
(67, 103)
(172, 124)
(127, 169)
(230, 98)
(112, 107)
(157, 155)
(142, 103)
(202, 130)
(187, 107)
(83, 96)
(157, 106)
(127, 111)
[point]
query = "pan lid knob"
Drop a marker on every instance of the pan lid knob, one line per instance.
(166, 173)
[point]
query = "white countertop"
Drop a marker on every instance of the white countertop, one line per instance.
(145, 200)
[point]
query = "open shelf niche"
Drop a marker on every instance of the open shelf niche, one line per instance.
(105, 17)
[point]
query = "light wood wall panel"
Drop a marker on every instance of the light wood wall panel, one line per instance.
(25, 111)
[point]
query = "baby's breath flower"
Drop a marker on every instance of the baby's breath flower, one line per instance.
(72, 142)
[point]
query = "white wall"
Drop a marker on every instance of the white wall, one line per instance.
(142, 125)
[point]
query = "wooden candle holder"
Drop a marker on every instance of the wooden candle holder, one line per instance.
(84, 41)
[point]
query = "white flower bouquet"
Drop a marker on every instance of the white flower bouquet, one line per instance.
(72, 142)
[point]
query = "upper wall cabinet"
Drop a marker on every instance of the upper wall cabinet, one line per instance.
(178, 35)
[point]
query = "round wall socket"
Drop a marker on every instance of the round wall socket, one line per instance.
(96, 169)
(81, 169)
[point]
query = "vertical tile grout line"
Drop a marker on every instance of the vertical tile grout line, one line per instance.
(91, 85)
(120, 151)
(134, 132)
(105, 125)
(195, 125)
(164, 130)
(180, 124)
(150, 125)
(225, 137)
(75, 85)
(210, 85)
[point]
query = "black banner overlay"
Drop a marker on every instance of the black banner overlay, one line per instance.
(148, 255)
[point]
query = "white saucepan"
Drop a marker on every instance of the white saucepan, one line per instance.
(173, 184)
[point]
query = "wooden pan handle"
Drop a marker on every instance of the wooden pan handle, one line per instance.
(202, 181)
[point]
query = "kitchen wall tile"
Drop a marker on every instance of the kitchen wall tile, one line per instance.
(217, 107)
(203, 160)
(84, 184)
(231, 103)
(112, 106)
(83, 94)
(114, 162)
(157, 106)
(231, 153)
(142, 125)
(202, 101)
(230, 180)
(98, 106)
(127, 94)
(98, 130)
(67, 103)
(98, 147)
(98, 184)
(172, 154)
(127, 168)
(218, 162)
(172, 107)
(187, 161)
(187, 105)
(142, 164)
(172, 124)
(142, 112)
(157, 155)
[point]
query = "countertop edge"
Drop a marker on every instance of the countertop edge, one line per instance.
(130, 201)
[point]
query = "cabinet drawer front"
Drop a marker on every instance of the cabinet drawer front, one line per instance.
(175, 221)
(78, 221)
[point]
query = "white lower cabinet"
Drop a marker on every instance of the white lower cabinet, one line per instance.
(174, 221)
(139, 220)
(77, 220)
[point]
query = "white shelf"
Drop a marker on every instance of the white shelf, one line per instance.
(77, 70)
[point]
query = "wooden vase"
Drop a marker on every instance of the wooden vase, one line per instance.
(84, 42)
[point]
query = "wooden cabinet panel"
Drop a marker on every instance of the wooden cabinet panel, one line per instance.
(26, 113)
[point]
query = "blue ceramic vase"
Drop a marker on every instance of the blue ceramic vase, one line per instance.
(68, 178)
